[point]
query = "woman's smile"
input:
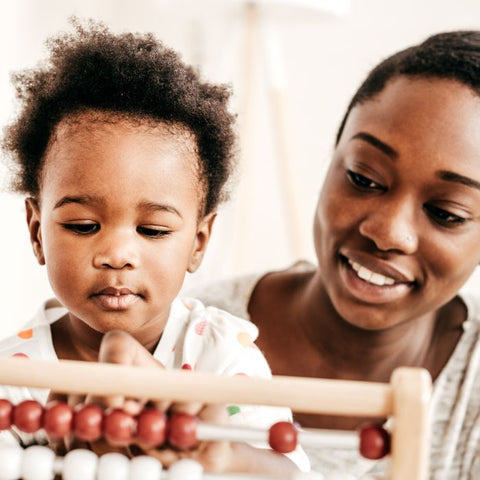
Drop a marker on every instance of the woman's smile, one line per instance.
(371, 286)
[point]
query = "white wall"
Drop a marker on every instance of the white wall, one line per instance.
(324, 57)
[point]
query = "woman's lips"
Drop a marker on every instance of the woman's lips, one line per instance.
(372, 277)
(370, 286)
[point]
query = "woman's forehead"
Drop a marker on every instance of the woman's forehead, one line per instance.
(427, 114)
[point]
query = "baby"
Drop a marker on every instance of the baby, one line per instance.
(123, 154)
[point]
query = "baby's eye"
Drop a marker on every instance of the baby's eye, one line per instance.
(444, 217)
(82, 228)
(153, 232)
(363, 182)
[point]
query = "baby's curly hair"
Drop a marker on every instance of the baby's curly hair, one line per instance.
(129, 74)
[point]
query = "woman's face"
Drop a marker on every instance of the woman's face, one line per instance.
(397, 227)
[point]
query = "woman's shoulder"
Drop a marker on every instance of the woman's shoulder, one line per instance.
(471, 301)
(233, 294)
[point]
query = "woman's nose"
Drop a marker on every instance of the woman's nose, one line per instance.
(116, 250)
(391, 226)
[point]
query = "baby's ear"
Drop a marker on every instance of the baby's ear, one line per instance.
(204, 230)
(33, 222)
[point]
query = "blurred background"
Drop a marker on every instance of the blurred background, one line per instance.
(293, 66)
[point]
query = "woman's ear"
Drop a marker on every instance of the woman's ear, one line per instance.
(204, 230)
(33, 222)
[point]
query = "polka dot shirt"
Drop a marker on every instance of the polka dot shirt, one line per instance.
(195, 338)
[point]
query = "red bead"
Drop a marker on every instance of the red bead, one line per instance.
(88, 422)
(151, 428)
(182, 431)
(374, 441)
(58, 420)
(28, 416)
(282, 437)
(6, 409)
(118, 427)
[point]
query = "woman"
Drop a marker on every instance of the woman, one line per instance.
(397, 234)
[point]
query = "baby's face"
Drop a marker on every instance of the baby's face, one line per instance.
(118, 223)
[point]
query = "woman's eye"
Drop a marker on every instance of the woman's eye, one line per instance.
(443, 217)
(363, 182)
(152, 232)
(82, 228)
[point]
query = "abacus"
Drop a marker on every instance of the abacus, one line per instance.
(406, 398)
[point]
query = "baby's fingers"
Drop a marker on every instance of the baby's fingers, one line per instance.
(121, 348)
(214, 414)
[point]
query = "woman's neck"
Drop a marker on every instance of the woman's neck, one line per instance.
(362, 354)
(301, 333)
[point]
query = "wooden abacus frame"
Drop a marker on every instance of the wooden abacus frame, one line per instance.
(406, 397)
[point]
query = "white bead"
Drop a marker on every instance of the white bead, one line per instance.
(113, 466)
(185, 468)
(340, 476)
(308, 476)
(11, 462)
(79, 464)
(145, 468)
(37, 463)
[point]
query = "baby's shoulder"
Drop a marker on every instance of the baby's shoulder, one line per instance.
(220, 342)
(33, 338)
(232, 294)
(213, 321)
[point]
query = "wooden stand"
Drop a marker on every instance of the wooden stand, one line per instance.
(406, 398)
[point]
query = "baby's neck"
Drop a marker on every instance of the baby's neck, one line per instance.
(69, 344)
(74, 340)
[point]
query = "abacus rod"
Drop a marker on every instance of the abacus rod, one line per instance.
(370, 399)
(308, 437)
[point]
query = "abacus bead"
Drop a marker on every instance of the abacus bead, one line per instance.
(80, 464)
(113, 466)
(282, 437)
(374, 441)
(6, 410)
(118, 427)
(28, 416)
(11, 462)
(58, 419)
(151, 428)
(88, 422)
(144, 468)
(182, 431)
(185, 468)
(37, 463)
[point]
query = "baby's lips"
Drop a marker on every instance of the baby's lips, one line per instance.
(115, 291)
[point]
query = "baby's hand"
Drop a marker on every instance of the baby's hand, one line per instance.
(116, 347)
(215, 456)
(119, 347)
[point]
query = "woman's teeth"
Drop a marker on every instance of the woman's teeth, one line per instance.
(369, 276)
